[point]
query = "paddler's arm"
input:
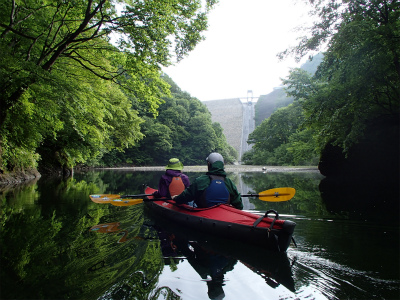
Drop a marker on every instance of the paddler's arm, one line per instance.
(162, 189)
(236, 198)
(236, 201)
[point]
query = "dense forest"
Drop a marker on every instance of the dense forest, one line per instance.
(81, 79)
(347, 113)
(82, 84)
(183, 129)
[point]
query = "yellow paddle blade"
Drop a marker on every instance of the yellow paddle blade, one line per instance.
(104, 198)
(126, 202)
(277, 195)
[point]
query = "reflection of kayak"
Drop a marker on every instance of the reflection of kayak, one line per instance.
(175, 239)
(229, 222)
(113, 228)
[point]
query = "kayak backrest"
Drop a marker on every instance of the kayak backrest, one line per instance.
(176, 187)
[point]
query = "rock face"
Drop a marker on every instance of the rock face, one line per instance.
(19, 177)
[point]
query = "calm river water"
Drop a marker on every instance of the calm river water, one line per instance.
(58, 244)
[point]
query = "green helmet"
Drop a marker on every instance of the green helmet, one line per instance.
(174, 164)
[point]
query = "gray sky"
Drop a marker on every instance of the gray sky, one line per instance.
(239, 53)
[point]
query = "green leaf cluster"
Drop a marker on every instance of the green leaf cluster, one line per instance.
(353, 97)
(357, 86)
(75, 76)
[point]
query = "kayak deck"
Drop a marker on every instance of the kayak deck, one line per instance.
(229, 222)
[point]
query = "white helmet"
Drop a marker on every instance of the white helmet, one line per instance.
(213, 157)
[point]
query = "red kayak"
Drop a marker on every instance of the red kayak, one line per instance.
(228, 222)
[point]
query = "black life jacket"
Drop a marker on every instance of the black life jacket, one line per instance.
(215, 193)
(176, 186)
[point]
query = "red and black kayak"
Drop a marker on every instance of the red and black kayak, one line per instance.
(228, 222)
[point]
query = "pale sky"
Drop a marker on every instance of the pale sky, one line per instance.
(239, 53)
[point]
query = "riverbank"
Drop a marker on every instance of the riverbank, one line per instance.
(228, 168)
(28, 175)
(19, 177)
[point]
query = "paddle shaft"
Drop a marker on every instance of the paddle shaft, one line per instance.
(136, 196)
(272, 195)
(246, 195)
(266, 195)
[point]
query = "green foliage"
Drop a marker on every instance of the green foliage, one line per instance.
(69, 90)
(357, 85)
(281, 140)
(302, 147)
(358, 82)
(48, 243)
(182, 129)
(280, 137)
(90, 125)
(17, 158)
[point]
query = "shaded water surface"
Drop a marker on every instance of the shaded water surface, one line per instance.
(57, 244)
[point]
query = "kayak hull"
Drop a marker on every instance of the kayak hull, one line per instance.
(228, 222)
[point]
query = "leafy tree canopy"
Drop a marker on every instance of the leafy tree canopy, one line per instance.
(353, 98)
(358, 82)
(75, 75)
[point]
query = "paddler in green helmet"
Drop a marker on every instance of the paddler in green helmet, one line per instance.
(173, 182)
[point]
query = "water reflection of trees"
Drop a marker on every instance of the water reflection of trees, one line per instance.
(48, 249)
(306, 201)
(48, 252)
(120, 181)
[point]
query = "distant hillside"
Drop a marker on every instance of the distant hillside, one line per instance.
(269, 103)
(311, 66)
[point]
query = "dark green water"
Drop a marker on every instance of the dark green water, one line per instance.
(57, 244)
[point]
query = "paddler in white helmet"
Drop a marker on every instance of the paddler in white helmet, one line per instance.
(213, 188)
